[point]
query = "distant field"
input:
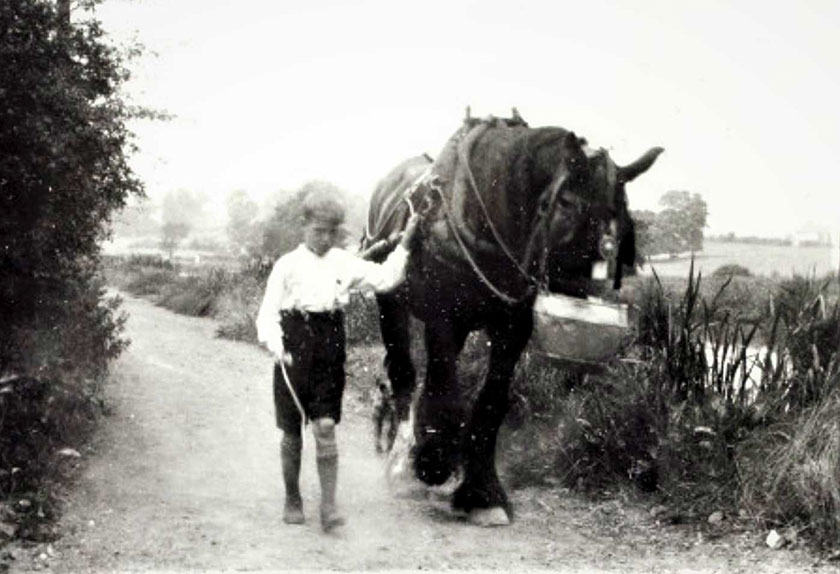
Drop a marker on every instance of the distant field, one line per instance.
(760, 259)
(766, 260)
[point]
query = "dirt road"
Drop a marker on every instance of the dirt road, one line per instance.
(185, 476)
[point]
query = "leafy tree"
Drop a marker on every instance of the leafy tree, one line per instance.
(64, 165)
(172, 234)
(681, 222)
(644, 221)
(64, 171)
(242, 227)
(180, 210)
(676, 228)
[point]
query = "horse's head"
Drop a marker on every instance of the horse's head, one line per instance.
(590, 221)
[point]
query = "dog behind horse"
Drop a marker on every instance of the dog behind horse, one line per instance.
(384, 417)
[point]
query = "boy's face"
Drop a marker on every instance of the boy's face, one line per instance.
(320, 235)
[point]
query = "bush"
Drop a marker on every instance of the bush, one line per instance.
(586, 431)
(197, 295)
(151, 282)
(732, 270)
(627, 427)
(64, 170)
(237, 307)
(137, 261)
(54, 400)
(790, 472)
(694, 386)
(361, 318)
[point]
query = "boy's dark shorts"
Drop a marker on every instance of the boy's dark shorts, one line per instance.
(316, 342)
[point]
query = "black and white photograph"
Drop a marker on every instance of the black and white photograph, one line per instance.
(381, 286)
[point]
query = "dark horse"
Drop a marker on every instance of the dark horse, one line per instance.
(507, 209)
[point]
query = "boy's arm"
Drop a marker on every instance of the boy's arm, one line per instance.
(269, 331)
(391, 272)
(378, 276)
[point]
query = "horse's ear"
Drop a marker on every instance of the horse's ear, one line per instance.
(632, 171)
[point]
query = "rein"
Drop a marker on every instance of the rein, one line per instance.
(546, 205)
(541, 223)
(462, 154)
(479, 273)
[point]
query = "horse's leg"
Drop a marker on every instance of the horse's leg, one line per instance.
(440, 413)
(481, 493)
(392, 429)
(378, 422)
(394, 322)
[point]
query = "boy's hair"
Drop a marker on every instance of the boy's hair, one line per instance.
(323, 204)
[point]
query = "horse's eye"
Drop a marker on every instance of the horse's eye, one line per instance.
(566, 201)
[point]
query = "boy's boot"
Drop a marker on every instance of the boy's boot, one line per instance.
(290, 451)
(326, 454)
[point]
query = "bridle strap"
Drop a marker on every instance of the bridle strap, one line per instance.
(541, 223)
(543, 215)
(543, 220)
(386, 219)
(463, 156)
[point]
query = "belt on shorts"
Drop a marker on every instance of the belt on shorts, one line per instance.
(298, 314)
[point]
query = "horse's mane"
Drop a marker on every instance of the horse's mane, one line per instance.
(493, 121)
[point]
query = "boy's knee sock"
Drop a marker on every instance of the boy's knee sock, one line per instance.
(328, 473)
(290, 453)
(326, 454)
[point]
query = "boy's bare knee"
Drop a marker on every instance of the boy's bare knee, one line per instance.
(324, 427)
(325, 445)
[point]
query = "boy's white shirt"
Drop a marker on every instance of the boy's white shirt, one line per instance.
(304, 281)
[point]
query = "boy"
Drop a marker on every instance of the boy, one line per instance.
(302, 324)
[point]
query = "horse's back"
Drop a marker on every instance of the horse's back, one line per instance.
(387, 213)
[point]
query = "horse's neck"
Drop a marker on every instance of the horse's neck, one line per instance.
(485, 206)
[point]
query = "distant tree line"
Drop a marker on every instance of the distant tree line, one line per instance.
(816, 239)
(251, 232)
(750, 239)
(676, 228)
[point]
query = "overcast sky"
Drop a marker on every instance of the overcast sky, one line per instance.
(269, 93)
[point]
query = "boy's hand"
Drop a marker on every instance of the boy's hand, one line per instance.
(285, 357)
(279, 353)
(410, 231)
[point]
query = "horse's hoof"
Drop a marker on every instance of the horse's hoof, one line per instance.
(398, 468)
(399, 473)
(406, 486)
(398, 464)
(488, 517)
(448, 488)
(435, 462)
